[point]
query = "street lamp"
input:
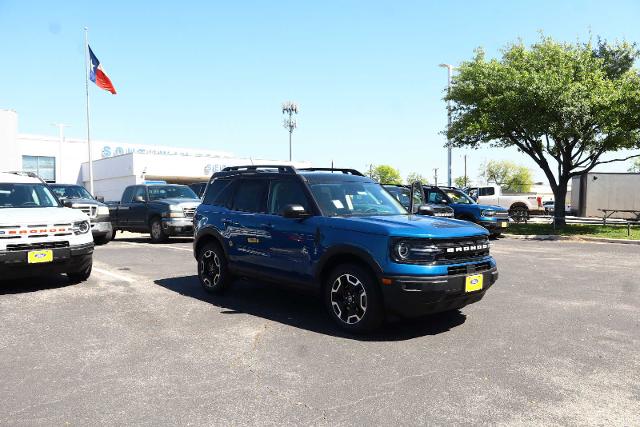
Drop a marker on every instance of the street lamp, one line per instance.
(450, 69)
(289, 123)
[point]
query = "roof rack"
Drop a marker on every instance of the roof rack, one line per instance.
(255, 168)
(27, 174)
(342, 170)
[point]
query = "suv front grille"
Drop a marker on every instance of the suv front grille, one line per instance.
(462, 249)
(469, 269)
(502, 215)
(90, 211)
(34, 246)
(189, 212)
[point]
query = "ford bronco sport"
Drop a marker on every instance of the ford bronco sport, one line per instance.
(341, 234)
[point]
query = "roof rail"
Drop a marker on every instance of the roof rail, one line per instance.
(27, 174)
(342, 170)
(255, 168)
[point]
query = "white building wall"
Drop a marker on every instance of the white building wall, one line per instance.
(612, 191)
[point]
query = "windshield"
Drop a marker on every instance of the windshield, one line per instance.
(457, 196)
(157, 192)
(13, 195)
(355, 198)
(71, 192)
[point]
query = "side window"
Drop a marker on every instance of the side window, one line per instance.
(140, 192)
(286, 192)
(128, 195)
(487, 191)
(212, 196)
(435, 197)
(250, 195)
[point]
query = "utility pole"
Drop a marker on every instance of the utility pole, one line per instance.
(466, 183)
(289, 108)
(58, 165)
(435, 175)
(450, 69)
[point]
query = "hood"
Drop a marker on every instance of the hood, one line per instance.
(182, 202)
(40, 216)
(91, 202)
(409, 226)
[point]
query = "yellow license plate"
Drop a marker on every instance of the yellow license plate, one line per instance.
(35, 257)
(504, 224)
(473, 283)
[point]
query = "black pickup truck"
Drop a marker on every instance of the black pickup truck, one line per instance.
(160, 210)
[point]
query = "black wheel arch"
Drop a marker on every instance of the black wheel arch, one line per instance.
(207, 235)
(344, 254)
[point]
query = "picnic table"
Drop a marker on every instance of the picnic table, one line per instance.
(609, 212)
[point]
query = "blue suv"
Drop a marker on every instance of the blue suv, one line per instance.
(341, 234)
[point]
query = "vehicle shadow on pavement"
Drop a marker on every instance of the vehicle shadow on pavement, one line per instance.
(147, 239)
(302, 310)
(33, 284)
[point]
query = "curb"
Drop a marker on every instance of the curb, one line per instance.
(571, 238)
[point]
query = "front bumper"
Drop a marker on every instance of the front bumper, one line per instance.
(413, 296)
(101, 228)
(178, 226)
(496, 225)
(14, 265)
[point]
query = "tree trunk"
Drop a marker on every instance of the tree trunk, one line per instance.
(560, 202)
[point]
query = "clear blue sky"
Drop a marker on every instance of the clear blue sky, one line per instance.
(213, 74)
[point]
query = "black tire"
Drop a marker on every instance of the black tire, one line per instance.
(80, 276)
(213, 271)
(156, 231)
(519, 213)
(102, 240)
(353, 298)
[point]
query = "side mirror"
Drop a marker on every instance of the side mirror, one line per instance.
(67, 203)
(424, 210)
(100, 199)
(295, 211)
(139, 199)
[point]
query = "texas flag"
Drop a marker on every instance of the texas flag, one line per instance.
(97, 74)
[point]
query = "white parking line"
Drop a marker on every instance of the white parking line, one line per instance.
(114, 275)
(152, 245)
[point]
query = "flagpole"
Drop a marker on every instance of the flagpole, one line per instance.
(86, 86)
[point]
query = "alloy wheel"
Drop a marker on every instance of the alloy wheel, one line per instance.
(210, 269)
(348, 299)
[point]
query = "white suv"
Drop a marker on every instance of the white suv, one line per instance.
(38, 236)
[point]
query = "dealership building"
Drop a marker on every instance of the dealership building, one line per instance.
(115, 165)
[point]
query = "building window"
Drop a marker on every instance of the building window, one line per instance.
(44, 167)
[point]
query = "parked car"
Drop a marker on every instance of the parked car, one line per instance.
(550, 208)
(403, 194)
(520, 206)
(77, 197)
(162, 210)
(493, 218)
(339, 233)
(38, 235)
(198, 188)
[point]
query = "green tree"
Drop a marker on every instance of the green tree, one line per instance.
(462, 181)
(385, 174)
(564, 105)
(508, 175)
(415, 176)
(635, 166)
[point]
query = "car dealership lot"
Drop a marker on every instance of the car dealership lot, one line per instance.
(556, 340)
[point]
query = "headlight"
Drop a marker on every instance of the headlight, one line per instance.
(175, 208)
(488, 212)
(413, 251)
(173, 214)
(81, 227)
(103, 210)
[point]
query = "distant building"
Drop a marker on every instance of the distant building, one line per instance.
(115, 165)
(606, 190)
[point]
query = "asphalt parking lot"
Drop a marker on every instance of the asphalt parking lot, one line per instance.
(555, 341)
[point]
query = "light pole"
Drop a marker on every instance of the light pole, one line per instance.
(450, 69)
(289, 123)
(435, 176)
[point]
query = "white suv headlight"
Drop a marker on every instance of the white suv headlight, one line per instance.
(103, 210)
(81, 227)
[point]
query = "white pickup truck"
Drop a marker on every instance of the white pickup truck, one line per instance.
(520, 205)
(38, 235)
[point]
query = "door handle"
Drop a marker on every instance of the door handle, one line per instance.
(231, 223)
